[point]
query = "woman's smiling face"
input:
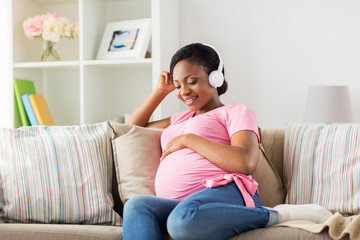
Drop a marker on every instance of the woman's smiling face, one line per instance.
(193, 88)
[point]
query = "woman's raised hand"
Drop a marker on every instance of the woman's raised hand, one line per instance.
(165, 82)
(142, 114)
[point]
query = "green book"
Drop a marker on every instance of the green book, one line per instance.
(21, 87)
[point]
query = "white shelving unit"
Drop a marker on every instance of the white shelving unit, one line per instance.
(80, 89)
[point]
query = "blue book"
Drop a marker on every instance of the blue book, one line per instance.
(29, 110)
(21, 87)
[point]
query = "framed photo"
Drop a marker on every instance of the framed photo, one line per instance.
(125, 39)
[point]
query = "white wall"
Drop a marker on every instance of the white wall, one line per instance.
(6, 88)
(274, 49)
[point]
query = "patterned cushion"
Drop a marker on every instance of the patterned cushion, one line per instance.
(322, 165)
(57, 175)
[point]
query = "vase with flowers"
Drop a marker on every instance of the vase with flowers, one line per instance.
(50, 28)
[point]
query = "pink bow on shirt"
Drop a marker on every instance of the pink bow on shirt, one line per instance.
(246, 184)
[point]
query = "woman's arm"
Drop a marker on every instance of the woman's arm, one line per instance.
(239, 157)
(142, 114)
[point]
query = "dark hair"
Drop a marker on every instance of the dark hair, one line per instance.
(199, 54)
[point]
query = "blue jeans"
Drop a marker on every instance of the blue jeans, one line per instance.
(213, 213)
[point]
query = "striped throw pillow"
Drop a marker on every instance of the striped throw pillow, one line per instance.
(57, 174)
(322, 165)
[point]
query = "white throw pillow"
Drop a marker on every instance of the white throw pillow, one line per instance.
(137, 154)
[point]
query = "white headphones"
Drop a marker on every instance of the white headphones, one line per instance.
(216, 77)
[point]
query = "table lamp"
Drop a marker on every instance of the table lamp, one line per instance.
(328, 104)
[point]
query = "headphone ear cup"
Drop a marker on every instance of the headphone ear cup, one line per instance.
(216, 79)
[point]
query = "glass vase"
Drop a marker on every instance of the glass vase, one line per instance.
(49, 52)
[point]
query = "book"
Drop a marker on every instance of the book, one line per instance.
(41, 109)
(21, 87)
(29, 110)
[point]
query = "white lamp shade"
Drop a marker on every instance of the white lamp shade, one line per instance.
(328, 104)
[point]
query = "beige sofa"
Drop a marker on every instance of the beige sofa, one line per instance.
(271, 192)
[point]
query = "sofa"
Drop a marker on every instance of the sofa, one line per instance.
(131, 155)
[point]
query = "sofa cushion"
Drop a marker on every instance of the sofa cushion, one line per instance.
(281, 233)
(18, 231)
(322, 165)
(57, 174)
(137, 153)
(272, 139)
(270, 187)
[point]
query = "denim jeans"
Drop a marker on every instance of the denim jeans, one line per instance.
(213, 213)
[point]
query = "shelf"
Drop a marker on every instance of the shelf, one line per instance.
(54, 1)
(48, 65)
(144, 62)
(118, 63)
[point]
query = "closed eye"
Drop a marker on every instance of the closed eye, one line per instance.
(190, 83)
(193, 82)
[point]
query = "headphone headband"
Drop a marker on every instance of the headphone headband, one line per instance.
(220, 67)
(216, 78)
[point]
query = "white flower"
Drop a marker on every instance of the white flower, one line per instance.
(66, 27)
(51, 30)
(75, 30)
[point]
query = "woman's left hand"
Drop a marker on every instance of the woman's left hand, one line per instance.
(175, 144)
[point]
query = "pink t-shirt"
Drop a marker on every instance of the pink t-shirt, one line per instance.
(180, 173)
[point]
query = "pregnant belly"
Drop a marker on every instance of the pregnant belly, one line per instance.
(180, 174)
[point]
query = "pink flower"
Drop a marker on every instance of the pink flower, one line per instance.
(39, 18)
(33, 27)
(55, 15)
(50, 15)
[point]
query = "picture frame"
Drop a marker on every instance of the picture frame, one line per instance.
(125, 39)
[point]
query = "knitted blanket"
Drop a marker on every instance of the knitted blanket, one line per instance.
(337, 226)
